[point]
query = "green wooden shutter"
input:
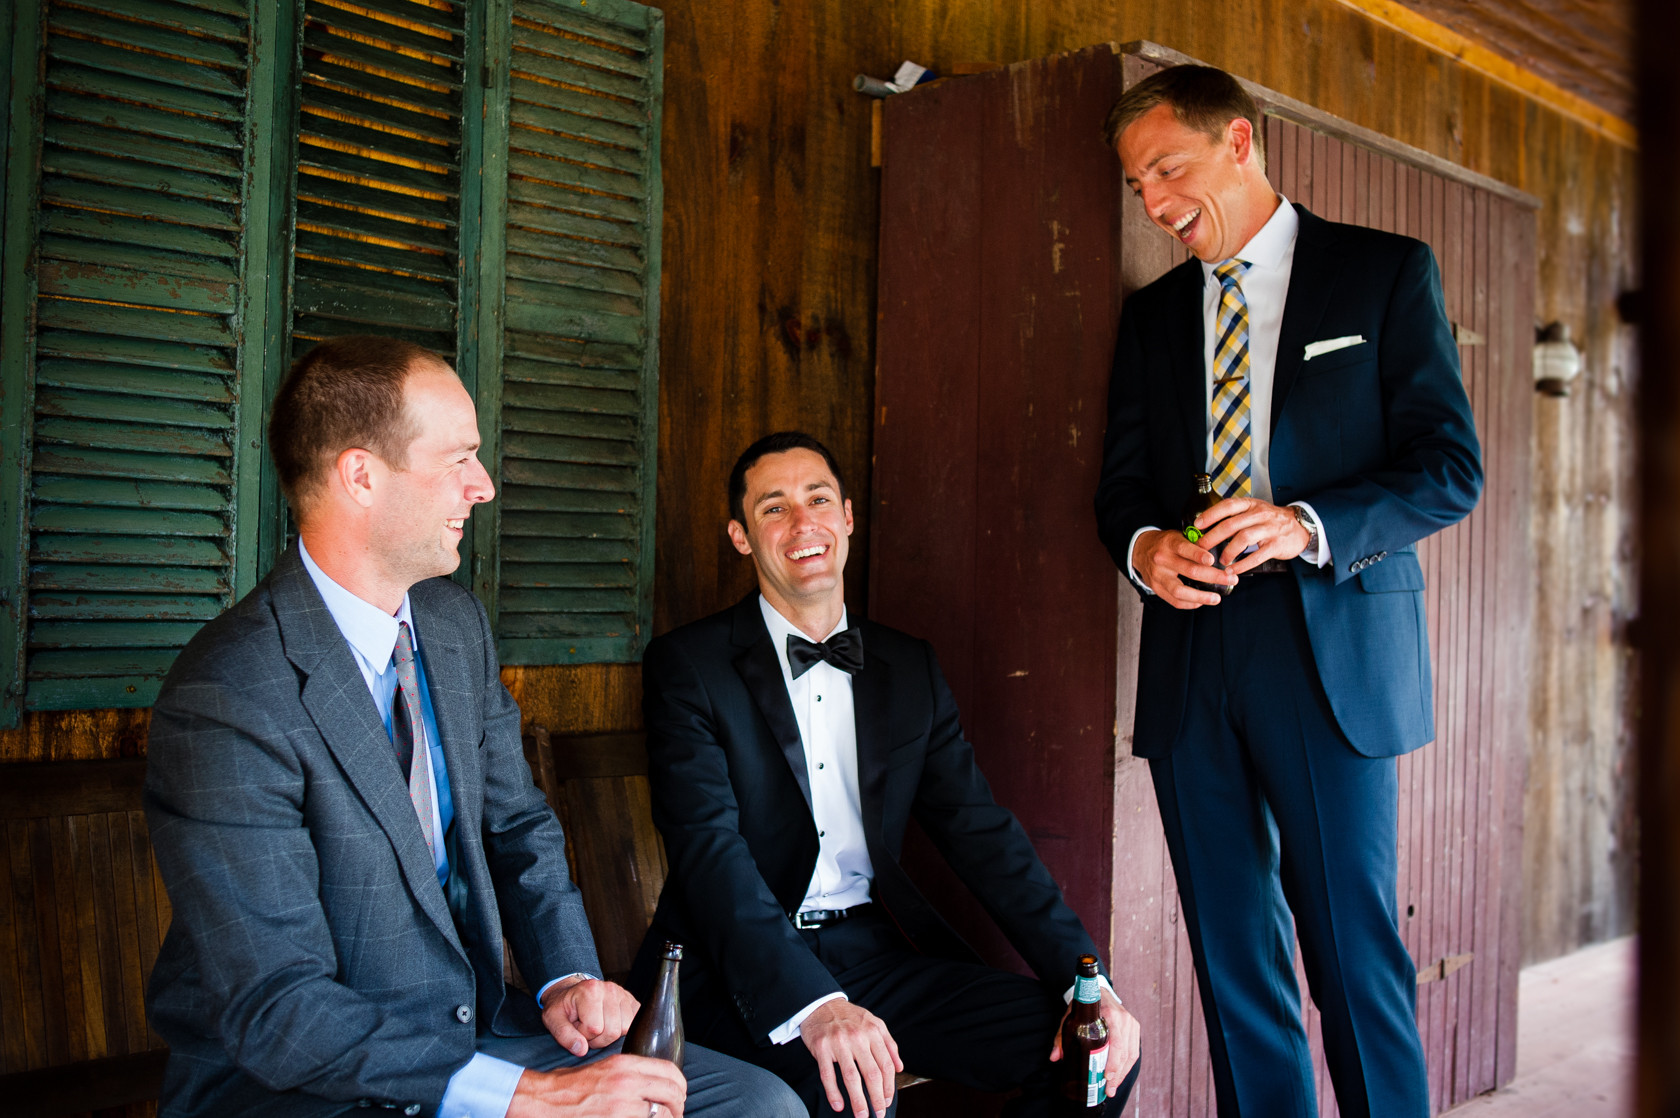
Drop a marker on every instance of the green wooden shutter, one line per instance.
(128, 289)
(565, 560)
(379, 179)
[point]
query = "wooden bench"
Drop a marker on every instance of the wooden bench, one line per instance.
(83, 911)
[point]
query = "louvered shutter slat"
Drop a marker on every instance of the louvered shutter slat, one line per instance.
(137, 286)
(579, 333)
(378, 211)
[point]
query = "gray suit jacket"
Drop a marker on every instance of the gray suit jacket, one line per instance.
(312, 961)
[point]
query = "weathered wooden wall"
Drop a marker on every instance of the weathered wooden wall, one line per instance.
(768, 296)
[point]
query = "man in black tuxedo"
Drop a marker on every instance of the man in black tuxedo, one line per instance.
(789, 745)
(1311, 365)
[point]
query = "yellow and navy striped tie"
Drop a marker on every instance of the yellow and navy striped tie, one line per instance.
(1230, 461)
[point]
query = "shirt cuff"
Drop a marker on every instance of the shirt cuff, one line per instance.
(562, 978)
(1131, 570)
(1102, 980)
(789, 1029)
(1319, 555)
(482, 1089)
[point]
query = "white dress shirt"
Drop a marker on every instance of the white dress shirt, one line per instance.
(822, 705)
(484, 1087)
(1271, 256)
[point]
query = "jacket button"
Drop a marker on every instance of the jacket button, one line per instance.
(463, 1013)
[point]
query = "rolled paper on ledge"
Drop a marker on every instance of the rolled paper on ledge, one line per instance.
(875, 87)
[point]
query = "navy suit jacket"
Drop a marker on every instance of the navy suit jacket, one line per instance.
(312, 959)
(1378, 438)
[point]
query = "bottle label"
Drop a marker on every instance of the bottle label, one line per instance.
(1096, 1065)
(1086, 990)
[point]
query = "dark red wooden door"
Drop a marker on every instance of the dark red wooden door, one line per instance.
(1007, 244)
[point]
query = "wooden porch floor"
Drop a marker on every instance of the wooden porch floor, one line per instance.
(1574, 1039)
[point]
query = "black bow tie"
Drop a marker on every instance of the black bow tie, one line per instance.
(844, 650)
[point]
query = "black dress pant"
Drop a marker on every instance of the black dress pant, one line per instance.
(969, 1024)
(1278, 828)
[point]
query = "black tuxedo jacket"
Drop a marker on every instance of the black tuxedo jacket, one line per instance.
(1377, 437)
(732, 799)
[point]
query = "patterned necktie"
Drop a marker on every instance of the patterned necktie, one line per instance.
(1230, 461)
(407, 729)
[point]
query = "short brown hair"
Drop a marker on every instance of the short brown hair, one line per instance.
(1202, 97)
(345, 392)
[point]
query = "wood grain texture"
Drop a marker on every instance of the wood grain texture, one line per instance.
(1658, 1068)
(1455, 843)
(1584, 46)
(80, 925)
(772, 230)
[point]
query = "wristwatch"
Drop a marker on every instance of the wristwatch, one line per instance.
(1310, 525)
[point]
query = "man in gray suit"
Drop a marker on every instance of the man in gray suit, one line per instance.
(344, 819)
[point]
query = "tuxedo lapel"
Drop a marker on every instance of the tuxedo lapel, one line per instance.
(337, 699)
(1189, 363)
(1312, 280)
(761, 671)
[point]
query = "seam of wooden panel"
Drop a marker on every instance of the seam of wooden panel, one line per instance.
(1277, 104)
(477, 122)
(265, 199)
(1473, 56)
(280, 21)
(17, 342)
(489, 262)
(651, 273)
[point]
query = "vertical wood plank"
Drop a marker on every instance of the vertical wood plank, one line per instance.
(13, 1021)
(148, 933)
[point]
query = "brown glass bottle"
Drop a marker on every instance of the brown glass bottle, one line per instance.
(1200, 501)
(657, 1030)
(1085, 1039)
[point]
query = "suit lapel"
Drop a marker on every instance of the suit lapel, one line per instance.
(761, 671)
(337, 699)
(872, 712)
(459, 731)
(1312, 280)
(452, 706)
(1189, 363)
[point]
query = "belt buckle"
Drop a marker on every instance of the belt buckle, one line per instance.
(818, 918)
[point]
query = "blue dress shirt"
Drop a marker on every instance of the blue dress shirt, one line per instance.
(484, 1087)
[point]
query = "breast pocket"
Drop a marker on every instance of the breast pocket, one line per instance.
(1365, 353)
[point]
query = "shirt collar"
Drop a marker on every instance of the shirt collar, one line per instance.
(781, 628)
(1267, 248)
(370, 630)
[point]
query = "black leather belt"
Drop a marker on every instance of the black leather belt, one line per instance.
(1272, 567)
(823, 917)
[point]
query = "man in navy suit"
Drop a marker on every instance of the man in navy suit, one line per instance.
(1309, 368)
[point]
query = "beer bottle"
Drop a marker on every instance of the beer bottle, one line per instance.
(1085, 1038)
(1203, 499)
(657, 1030)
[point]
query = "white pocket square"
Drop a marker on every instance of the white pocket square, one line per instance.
(1331, 345)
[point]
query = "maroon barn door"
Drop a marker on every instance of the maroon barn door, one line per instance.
(1007, 245)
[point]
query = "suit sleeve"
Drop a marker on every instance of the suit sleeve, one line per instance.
(541, 909)
(987, 847)
(225, 807)
(769, 972)
(1432, 477)
(1125, 500)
